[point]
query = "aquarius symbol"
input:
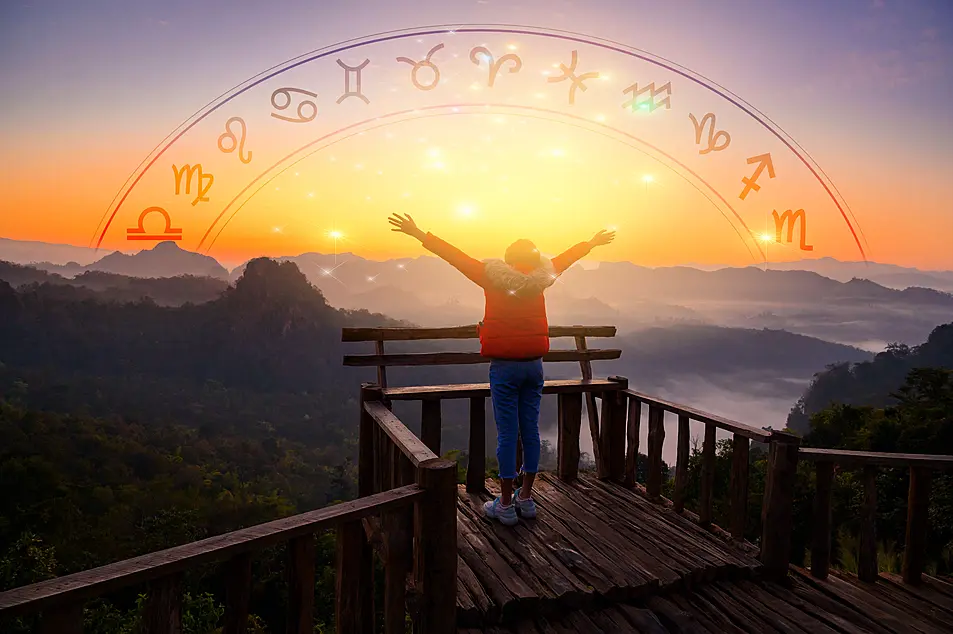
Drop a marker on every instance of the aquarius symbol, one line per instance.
(650, 104)
(712, 135)
(791, 217)
(422, 64)
(475, 57)
(751, 184)
(347, 81)
(201, 188)
(139, 233)
(287, 94)
(577, 82)
(228, 135)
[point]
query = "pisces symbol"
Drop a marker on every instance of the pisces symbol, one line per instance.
(713, 136)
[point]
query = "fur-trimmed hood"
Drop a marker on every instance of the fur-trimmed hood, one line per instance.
(507, 278)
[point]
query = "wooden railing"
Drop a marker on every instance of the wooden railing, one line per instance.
(60, 601)
(921, 467)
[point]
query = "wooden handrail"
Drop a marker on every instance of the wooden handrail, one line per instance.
(754, 433)
(468, 358)
(847, 458)
(411, 446)
(89, 584)
(472, 390)
(460, 332)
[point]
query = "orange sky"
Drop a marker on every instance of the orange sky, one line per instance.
(529, 165)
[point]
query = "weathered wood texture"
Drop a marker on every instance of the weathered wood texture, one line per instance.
(754, 433)
(476, 456)
(592, 412)
(738, 486)
(471, 390)
(706, 493)
(847, 458)
(237, 593)
(460, 332)
(777, 508)
(411, 446)
(435, 568)
(96, 582)
(918, 502)
(409, 359)
(568, 427)
(612, 435)
(300, 570)
(65, 620)
(591, 539)
(431, 425)
(353, 605)
(867, 561)
(821, 527)
(633, 424)
(163, 610)
(656, 439)
(839, 605)
(681, 462)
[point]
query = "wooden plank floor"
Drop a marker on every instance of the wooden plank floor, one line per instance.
(592, 542)
(841, 604)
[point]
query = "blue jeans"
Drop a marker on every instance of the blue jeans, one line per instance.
(516, 388)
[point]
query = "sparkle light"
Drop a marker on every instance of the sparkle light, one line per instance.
(648, 178)
(400, 266)
(557, 152)
(466, 210)
(512, 47)
(335, 234)
(765, 237)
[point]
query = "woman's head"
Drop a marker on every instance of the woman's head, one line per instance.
(522, 254)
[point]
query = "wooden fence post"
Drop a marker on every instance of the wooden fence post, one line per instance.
(821, 529)
(435, 531)
(67, 619)
(738, 486)
(430, 424)
(476, 460)
(612, 432)
(237, 593)
(301, 585)
(354, 610)
(867, 568)
(366, 434)
(567, 439)
(778, 507)
(163, 613)
(707, 482)
(633, 422)
(918, 501)
(681, 462)
(656, 440)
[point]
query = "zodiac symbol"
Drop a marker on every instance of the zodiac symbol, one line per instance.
(287, 94)
(347, 81)
(763, 160)
(495, 65)
(189, 171)
(228, 135)
(139, 233)
(649, 104)
(577, 82)
(421, 64)
(712, 135)
(791, 217)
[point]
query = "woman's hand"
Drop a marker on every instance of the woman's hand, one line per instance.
(406, 225)
(602, 238)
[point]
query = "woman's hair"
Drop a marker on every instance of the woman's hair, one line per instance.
(522, 253)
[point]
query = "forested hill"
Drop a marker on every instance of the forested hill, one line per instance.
(873, 382)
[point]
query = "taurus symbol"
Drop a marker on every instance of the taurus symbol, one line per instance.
(139, 233)
(421, 64)
(475, 57)
(712, 135)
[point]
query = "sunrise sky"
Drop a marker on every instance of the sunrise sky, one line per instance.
(863, 86)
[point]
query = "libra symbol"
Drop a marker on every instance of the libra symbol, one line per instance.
(139, 232)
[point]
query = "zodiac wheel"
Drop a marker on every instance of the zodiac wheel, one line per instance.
(731, 163)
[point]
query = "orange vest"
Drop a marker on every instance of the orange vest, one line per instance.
(514, 323)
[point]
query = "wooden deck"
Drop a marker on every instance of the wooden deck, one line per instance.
(602, 558)
(592, 541)
(838, 605)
